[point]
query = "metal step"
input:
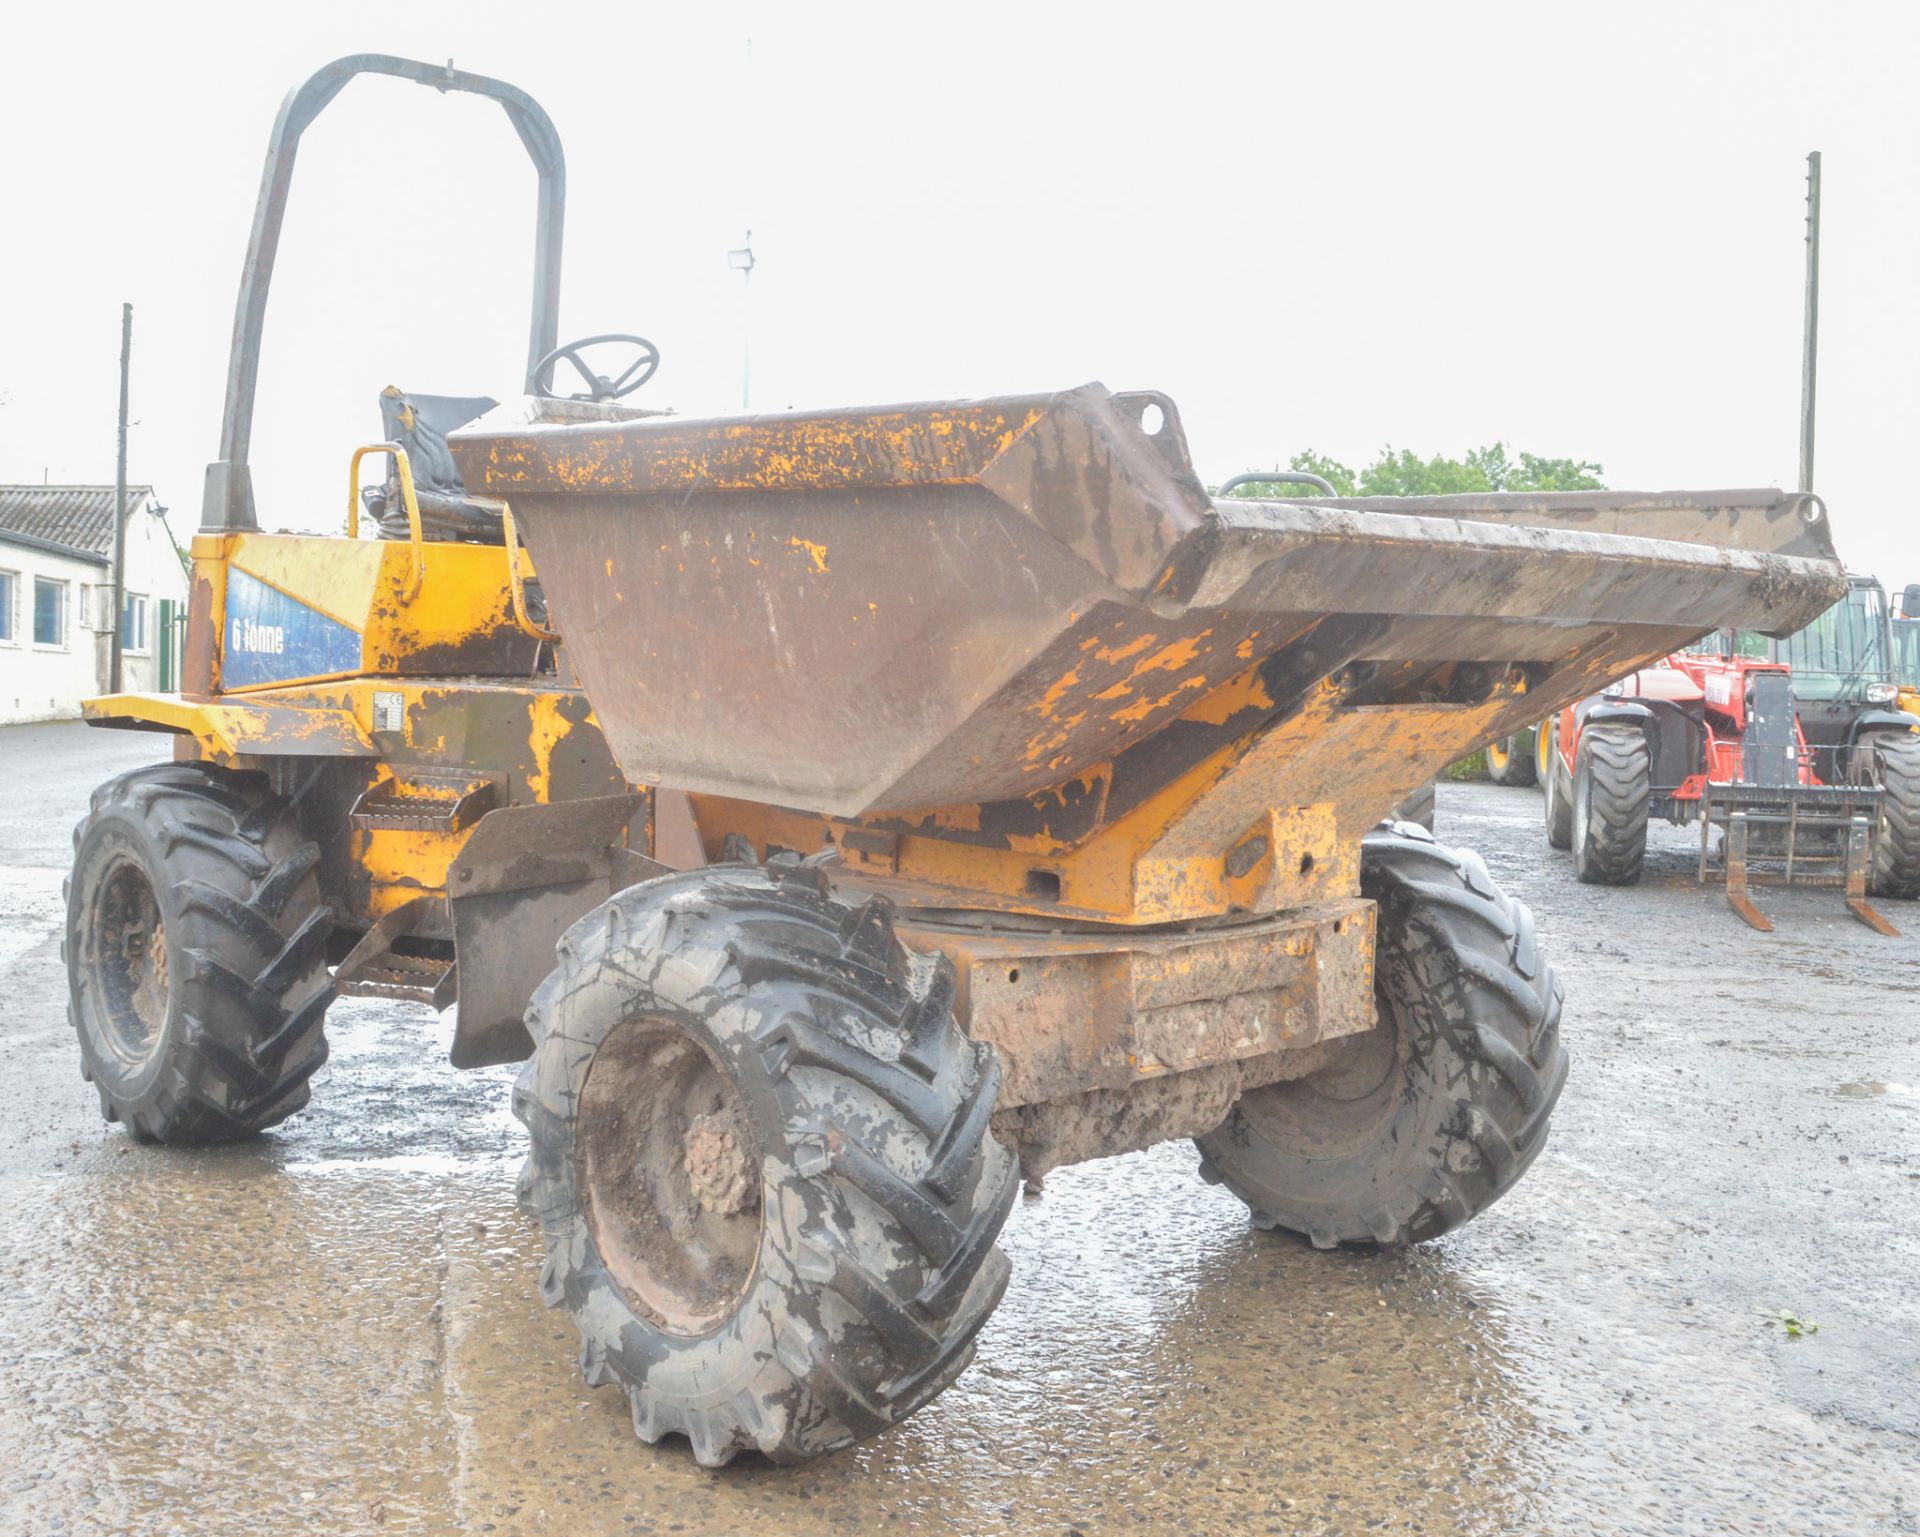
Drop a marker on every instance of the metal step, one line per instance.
(416, 801)
(412, 978)
(374, 968)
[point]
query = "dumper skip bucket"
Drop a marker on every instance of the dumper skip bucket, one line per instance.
(873, 611)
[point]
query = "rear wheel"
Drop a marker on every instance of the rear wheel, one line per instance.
(1510, 761)
(1427, 1119)
(1612, 784)
(1417, 808)
(761, 1159)
(1893, 760)
(196, 951)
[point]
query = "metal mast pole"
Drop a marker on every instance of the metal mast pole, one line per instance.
(120, 508)
(1810, 340)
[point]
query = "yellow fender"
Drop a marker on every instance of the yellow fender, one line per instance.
(226, 732)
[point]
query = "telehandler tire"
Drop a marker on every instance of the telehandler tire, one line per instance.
(1612, 786)
(1511, 760)
(761, 1159)
(1894, 759)
(1426, 1120)
(1558, 786)
(196, 954)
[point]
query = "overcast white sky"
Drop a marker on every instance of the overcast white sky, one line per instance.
(1323, 226)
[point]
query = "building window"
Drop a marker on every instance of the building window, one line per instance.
(133, 623)
(9, 608)
(49, 612)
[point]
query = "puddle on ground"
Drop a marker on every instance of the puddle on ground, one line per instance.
(1893, 1093)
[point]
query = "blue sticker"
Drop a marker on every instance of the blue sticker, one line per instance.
(272, 637)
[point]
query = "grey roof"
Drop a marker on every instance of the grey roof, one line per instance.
(74, 518)
(48, 547)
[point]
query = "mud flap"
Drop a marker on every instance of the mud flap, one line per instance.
(526, 874)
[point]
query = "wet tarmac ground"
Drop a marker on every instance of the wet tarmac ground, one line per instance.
(335, 1328)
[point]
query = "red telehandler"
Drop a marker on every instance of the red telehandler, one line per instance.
(1713, 736)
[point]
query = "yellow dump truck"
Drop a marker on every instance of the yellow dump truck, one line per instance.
(841, 812)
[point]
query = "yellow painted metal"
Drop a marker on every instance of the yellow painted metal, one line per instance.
(407, 601)
(330, 718)
(333, 578)
(232, 734)
(1209, 842)
(415, 537)
(519, 566)
(528, 738)
(396, 864)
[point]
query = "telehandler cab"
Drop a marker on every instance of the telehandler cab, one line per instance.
(844, 811)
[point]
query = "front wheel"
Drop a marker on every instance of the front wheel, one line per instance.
(761, 1159)
(1427, 1119)
(1893, 760)
(1612, 789)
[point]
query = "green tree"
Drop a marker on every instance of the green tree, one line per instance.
(1327, 469)
(1401, 472)
(1405, 473)
(1537, 474)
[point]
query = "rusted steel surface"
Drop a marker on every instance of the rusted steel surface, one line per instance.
(1028, 612)
(1291, 557)
(518, 883)
(1075, 1012)
(1763, 520)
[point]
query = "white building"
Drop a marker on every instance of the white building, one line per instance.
(56, 594)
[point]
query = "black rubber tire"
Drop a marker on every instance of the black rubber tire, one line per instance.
(1558, 808)
(1894, 759)
(242, 1007)
(1417, 808)
(870, 1112)
(1612, 787)
(1432, 1116)
(1511, 762)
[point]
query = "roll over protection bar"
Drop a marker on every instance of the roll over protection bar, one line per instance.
(227, 503)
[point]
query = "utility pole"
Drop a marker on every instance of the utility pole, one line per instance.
(120, 505)
(741, 260)
(1809, 346)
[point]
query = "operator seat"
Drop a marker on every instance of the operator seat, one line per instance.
(420, 424)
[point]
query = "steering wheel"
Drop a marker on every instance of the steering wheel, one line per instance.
(599, 387)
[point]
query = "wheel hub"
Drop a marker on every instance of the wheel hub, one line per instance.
(716, 1164)
(668, 1170)
(129, 962)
